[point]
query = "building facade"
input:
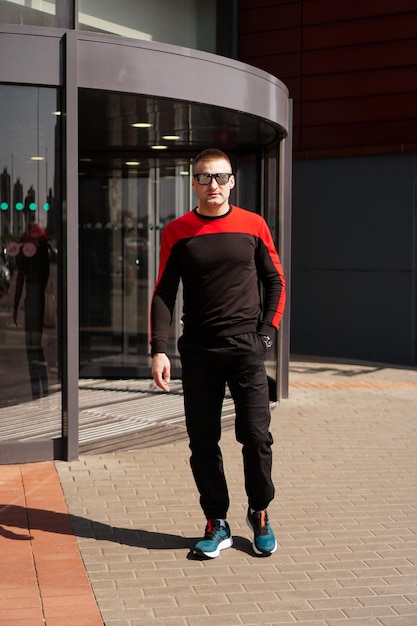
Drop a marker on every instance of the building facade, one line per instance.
(102, 107)
(351, 70)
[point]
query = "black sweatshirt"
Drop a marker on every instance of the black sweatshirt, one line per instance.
(220, 261)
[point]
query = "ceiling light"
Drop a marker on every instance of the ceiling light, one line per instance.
(132, 162)
(171, 137)
(184, 173)
(37, 158)
(142, 125)
(159, 147)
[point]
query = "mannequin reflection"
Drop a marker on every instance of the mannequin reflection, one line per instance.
(33, 273)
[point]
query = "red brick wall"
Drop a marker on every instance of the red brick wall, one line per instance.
(350, 66)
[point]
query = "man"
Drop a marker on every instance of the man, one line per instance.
(221, 253)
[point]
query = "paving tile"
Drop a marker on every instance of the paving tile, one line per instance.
(70, 620)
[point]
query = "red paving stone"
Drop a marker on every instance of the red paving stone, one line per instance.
(42, 579)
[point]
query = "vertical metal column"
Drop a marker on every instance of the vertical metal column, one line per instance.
(65, 13)
(70, 282)
(285, 183)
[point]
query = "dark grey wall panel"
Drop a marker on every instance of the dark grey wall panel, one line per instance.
(354, 257)
(356, 315)
(354, 213)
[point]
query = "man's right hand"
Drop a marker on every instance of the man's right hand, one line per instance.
(161, 370)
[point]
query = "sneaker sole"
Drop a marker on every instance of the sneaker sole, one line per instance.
(226, 543)
(255, 549)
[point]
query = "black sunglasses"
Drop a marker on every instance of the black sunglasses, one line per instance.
(205, 179)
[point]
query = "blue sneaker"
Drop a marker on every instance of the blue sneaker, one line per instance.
(264, 542)
(216, 538)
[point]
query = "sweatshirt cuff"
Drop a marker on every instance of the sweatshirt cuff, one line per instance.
(158, 346)
(267, 329)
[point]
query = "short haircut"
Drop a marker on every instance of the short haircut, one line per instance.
(212, 154)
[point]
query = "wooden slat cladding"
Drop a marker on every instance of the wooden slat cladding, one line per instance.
(261, 19)
(351, 139)
(395, 81)
(325, 11)
(351, 68)
(363, 31)
(393, 54)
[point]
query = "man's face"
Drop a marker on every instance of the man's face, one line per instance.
(213, 195)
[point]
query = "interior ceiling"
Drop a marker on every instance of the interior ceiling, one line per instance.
(105, 125)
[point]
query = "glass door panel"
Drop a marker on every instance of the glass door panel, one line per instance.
(124, 206)
(30, 221)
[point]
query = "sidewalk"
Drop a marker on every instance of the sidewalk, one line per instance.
(345, 516)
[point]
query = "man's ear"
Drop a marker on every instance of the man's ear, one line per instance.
(232, 181)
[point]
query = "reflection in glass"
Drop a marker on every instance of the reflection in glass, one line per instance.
(188, 23)
(123, 210)
(29, 12)
(33, 275)
(30, 391)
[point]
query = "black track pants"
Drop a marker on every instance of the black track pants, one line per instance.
(206, 368)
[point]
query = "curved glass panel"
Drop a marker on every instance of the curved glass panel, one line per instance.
(129, 190)
(30, 391)
(28, 12)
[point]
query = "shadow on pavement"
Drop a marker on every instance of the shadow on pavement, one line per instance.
(30, 519)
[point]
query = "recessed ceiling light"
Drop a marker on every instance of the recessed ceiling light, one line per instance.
(171, 137)
(56, 112)
(184, 173)
(37, 158)
(132, 162)
(159, 147)
(142, 125)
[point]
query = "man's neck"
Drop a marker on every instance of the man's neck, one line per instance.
(213, 211)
